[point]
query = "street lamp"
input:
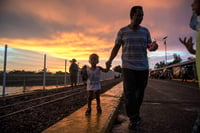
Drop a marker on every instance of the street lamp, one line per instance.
(164, 39)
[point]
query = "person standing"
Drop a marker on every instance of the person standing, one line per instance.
(195, 25)
(184, 74)
(134, 40)
(83, 75)
(92, 74)
(73, 69)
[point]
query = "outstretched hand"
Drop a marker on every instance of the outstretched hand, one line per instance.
(188, 44)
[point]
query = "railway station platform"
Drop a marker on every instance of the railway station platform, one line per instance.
(78, 122)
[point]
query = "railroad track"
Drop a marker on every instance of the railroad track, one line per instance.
(22, 106)
(34, 113)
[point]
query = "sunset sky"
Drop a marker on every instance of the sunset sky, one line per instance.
(66, 29)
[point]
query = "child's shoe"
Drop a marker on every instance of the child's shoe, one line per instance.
(88, 111)
(99, 111)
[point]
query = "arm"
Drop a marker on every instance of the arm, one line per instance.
(113, 55)
(103, 69)
(188, 44)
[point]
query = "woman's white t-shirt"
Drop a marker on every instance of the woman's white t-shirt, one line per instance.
(93, 81)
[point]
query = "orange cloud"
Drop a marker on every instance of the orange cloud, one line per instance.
(157, 4)
(64, 45)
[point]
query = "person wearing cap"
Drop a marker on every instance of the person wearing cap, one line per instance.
(73, 69)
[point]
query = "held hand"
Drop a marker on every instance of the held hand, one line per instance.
(108, 64)
(153, 46)
(188, 44)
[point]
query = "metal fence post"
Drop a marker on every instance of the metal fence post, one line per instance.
(65, 73)
(44, 73)
(4, 70)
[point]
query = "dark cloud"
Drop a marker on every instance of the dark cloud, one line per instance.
(20, 22)
(15, 25)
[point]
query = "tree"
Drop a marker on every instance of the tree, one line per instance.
(160, 64)
(60, 72)
(177, 58)
(42, 71)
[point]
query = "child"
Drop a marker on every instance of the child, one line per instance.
(93, 82)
